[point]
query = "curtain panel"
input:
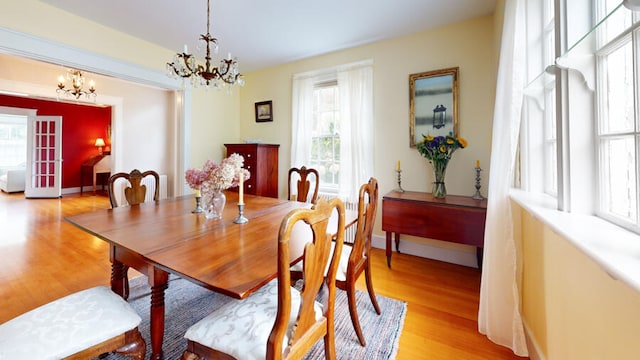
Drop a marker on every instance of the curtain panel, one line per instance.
(499, 315)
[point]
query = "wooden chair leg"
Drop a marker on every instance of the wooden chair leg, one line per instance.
(136, 347)
(330, 342)
(372, 293)
(353, 311)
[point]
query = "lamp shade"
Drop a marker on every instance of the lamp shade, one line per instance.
(100, 142)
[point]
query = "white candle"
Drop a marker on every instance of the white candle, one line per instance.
(185, 49)
(241, 190)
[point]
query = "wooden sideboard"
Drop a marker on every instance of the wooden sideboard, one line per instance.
(262, 162)
(458, 219)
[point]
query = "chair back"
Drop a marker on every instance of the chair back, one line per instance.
(135, 192)
(309, 328)
(367, 207)
(302, 179)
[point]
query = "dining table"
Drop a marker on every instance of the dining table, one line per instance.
(164, 237)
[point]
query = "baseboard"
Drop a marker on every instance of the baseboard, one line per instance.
(532, 345)
(429, 252)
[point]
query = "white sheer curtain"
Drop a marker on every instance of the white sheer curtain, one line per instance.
(355, 86)
(356, 130)
(302, 108)
(499, 314)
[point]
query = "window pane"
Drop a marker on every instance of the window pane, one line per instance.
(325, 146)
(619, 91)
(619, 176)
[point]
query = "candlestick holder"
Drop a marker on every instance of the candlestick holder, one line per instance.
(241, 219)
(198, 208)
(477, 195)
(399, 189)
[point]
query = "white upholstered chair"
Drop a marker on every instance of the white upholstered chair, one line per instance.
(12, 180)
(82, 325)
(279, 321)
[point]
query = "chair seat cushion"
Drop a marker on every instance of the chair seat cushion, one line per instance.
(67, 325)
(341, 275)
(241, 328)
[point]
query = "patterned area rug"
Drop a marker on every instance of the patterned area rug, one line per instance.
(187, 303)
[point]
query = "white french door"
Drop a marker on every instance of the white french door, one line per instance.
(44, 157)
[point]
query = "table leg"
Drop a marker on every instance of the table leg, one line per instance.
(388, 249)
(479, 254)
(397, 237)
(117, 278)
(159, 283)
(117, 273)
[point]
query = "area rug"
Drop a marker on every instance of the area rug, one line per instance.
(187, 303)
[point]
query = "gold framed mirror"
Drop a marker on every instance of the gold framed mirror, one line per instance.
(433, 104)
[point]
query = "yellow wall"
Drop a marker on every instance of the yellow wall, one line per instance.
(571, 307)
(468, 45)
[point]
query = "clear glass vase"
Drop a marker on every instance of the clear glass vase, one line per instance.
(214, 203)
(439, 189)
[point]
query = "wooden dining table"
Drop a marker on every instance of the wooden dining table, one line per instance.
(164, 237)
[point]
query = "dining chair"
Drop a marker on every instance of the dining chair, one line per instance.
(279, 321)
(303, 179)
(355, 257)
(134, 194)
(83, 325)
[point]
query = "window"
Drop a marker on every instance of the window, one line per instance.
(539, 141)
(325, 140)
(13, 140)
(332, 126)
(618, 131)
(550, 154)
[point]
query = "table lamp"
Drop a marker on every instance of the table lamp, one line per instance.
(100, 143)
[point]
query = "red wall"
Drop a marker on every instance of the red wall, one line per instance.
(81, 125)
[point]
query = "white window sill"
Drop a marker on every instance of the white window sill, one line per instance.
(615, 249)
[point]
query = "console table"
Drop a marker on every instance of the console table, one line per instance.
(99, 164)
(458, 219)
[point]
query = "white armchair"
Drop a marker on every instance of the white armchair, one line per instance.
(12, 180)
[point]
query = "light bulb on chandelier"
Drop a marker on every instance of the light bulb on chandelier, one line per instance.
(184, 65)
(77, 83)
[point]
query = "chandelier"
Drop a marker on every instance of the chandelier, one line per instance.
(184, 65)
(77, 82)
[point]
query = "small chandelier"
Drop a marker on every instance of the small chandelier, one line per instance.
(77, 82)
(184, 65)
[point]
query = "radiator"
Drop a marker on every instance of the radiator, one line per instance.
(350, 232)
(148, 181)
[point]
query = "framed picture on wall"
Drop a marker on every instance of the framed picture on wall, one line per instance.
(264, 111)
(433, 104)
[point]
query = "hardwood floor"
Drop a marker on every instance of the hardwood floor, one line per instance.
(43, 258)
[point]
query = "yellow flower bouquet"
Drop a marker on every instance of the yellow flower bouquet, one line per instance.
(438, 150)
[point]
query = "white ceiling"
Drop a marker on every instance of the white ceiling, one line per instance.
(264, 33)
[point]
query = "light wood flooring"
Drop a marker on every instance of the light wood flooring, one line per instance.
(42, 257)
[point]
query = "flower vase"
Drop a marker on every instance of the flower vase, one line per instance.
(439, 189)
(198, 208)
(214, 204)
